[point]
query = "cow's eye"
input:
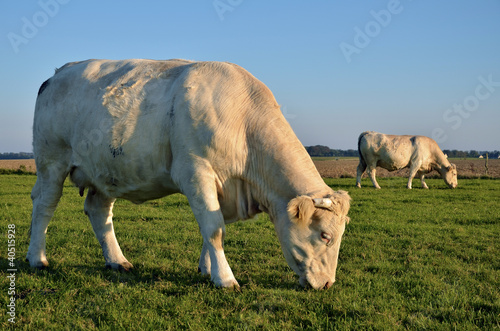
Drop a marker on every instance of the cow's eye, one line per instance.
(327, 238)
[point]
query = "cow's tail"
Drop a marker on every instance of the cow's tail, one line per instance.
(362, 161)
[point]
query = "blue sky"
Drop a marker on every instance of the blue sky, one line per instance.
(338, 68)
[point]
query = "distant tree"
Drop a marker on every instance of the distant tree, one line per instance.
(325, 151)
(351, 152)
(319, 150)
(473, 154)
(14, 156)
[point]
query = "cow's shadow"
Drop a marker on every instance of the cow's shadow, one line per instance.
(183, 279)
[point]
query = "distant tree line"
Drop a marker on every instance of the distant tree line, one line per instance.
(320, 150)
(15, 156)
(470, 154)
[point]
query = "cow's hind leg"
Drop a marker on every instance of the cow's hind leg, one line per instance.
(99, 210)
(372, 171)
(359, 172)
(45, 196)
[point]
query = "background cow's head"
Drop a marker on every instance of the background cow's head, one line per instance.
(450, 175)
(311, 247)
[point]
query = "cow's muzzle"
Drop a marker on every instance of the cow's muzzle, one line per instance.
(318, 283)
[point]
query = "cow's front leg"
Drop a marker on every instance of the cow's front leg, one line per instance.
(413, 171)
(204, 264)
(213, 238)
(99, 210)
(213, 260)
(199, 186)
(422, 180)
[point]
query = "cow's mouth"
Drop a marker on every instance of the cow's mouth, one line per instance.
(317, 282)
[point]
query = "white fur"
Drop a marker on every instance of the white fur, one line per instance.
(143, 129)
(421, 154)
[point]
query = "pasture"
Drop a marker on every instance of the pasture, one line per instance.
(419, 259)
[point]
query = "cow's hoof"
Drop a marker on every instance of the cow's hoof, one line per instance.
(204, 271)
(235, 287)
(229, 284)
(40, 265)
(124, 266)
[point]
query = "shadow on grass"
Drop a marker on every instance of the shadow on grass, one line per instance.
(184, 279)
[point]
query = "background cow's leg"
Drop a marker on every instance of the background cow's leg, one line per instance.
(199, 186)
(359, 172)
(45, 195)
(99, 210)
(372, 172)
(422, 180)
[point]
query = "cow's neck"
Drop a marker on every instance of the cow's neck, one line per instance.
(280, 168)
(440, 161)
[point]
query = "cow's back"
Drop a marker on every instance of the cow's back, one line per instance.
(391, 152)
(91, 95)
(122, 123)
(110, 120)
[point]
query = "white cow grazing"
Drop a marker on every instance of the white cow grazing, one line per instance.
(421, 154)
(143, 129)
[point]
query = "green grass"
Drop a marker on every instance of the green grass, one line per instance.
(410, 259)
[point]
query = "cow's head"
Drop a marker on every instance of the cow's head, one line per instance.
(449, 174)
(311, 246)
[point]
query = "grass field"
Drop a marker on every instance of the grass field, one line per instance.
(410, 259)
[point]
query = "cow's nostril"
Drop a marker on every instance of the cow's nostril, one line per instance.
(327, 286)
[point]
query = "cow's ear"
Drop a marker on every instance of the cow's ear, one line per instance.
(300, 210)
(341, 203)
